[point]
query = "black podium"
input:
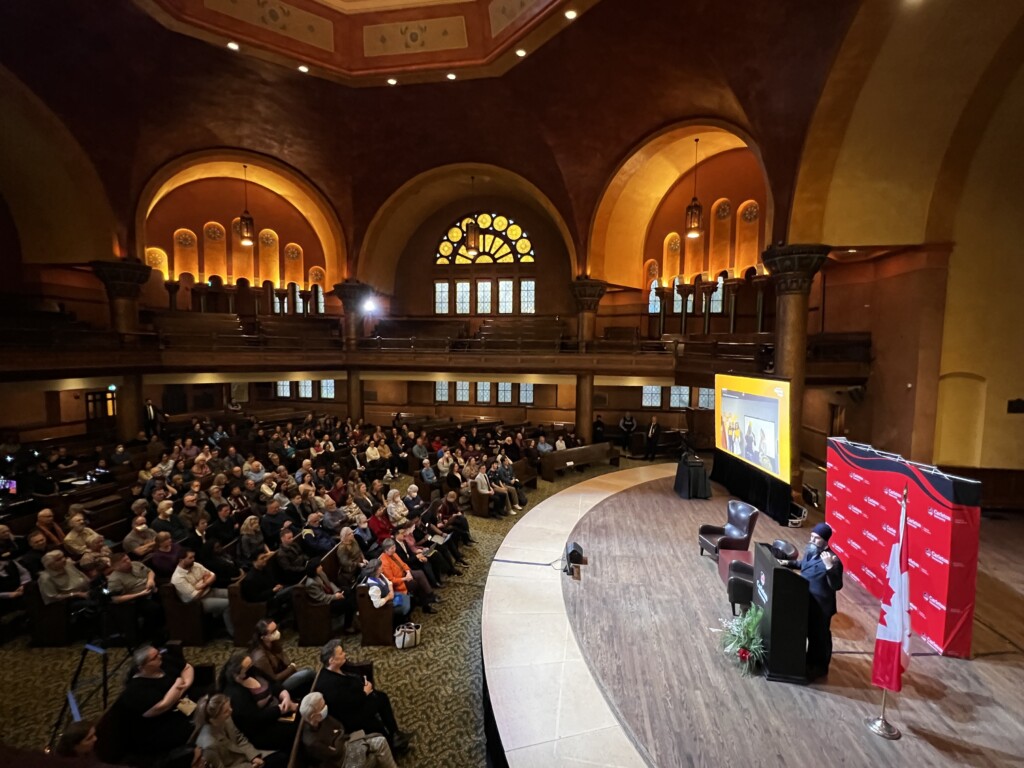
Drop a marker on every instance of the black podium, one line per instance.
(782, 594)
(691, 479)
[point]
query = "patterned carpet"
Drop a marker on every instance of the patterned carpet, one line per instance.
(436, 688)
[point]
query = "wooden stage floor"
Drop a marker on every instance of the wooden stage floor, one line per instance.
(646, 615)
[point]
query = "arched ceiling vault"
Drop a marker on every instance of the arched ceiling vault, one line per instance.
(55, 196)
(900, 117)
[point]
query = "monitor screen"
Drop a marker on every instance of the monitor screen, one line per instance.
(753, 421)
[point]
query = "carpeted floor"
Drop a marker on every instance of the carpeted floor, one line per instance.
(436, 688)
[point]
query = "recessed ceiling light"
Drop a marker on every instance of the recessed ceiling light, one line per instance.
(451, 75)
(851, 250)
(570, 15)
(521, 52)
(392, 81)
(303, 68)
(234, 46)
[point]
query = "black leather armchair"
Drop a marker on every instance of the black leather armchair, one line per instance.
(740, 585)
(736, 532)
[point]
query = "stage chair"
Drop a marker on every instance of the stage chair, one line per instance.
(377, 623)
(313, 620)
(185, 621)
(244, 615)
(740, 586)
(735, 534)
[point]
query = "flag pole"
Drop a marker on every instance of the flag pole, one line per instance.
(882, 727)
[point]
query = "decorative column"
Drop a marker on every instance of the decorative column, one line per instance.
(706, 289)
(760, 283)
(306, 297)
(732, 289)
(585, 407)
(352, 294)
(685, 291)
(588, 294)
(793, 268)
(123, 280)
(664, 297)
(355, 394)
(129, 407)
(172, 287)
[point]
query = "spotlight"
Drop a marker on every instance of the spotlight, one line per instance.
(234, 46)
(303, 68)
(369, 306)
(451, 75)
(570, 15)
(521, 52)
(392, 81)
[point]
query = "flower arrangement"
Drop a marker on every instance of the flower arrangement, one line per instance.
(741, 640)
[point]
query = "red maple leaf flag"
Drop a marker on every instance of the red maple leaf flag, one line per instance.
(892, 639)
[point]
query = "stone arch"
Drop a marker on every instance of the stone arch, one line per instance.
(416, 200)
(638, 185)
(279, 178)
(56, 199)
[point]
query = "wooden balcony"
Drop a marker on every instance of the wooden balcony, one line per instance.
(208, 342)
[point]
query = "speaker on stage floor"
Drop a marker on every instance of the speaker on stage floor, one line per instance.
(573, 556)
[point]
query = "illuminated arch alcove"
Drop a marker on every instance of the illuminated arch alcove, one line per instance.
(625, 234)
(292, 217)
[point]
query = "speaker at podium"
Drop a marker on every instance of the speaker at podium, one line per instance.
(782, 594)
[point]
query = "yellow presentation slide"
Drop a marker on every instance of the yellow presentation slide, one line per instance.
(753, 421)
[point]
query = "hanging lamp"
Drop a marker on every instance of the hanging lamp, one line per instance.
(246, 226)
(694, 211)
(473, 229)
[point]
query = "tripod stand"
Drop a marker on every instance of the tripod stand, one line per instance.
(74, 703)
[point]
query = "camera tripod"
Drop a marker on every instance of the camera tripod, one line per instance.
(74, 703)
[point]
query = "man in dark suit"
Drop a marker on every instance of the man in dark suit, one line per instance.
(824, 573)
(653, 436)
(151, 418)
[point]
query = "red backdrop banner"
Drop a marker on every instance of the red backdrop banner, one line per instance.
(863, 507)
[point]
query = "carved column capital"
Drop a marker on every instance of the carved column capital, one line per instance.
(732, 285)
(122, 278)
(794, 266)
(684, 290)
(352, 294)
(588, 293)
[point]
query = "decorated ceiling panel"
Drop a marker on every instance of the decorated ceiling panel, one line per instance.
(372, 42)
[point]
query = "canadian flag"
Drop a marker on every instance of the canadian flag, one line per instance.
(892, 639)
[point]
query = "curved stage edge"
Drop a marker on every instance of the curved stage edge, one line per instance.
(623, 668)
(547, 706)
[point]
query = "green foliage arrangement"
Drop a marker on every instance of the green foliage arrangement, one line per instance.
(742, 642)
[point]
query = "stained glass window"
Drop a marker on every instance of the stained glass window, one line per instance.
(284, 389)
(504, 391)
(441, 391)
(502, 241)
(462, 391)
(651, 397)
(526, 394)
(440, 298)
(306, 388)
(483, 391)
(679, 397)
(528, 297)
(706, 398)
(327, 389)
(483, 297)
(462, 297)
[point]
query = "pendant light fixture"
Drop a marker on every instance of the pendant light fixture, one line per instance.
(473, 229)
(694, 211)
(246, 226)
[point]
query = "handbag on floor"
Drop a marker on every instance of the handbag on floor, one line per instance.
(407, 636)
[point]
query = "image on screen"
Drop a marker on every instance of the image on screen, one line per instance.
(753, 421)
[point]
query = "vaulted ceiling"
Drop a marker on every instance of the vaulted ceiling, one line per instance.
(376, 42)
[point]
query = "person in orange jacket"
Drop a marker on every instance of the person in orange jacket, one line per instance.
(405, 580)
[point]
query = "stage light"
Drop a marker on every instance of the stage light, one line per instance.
(369, 306)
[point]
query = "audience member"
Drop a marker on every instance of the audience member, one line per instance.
(258, 704)
(195, 582)
(328, 746)
(353, 698)
(222, 743)
(269, 657)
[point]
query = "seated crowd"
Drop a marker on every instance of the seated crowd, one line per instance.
(205, 516)
(259, 711)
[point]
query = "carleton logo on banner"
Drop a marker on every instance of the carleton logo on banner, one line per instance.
(863, 498)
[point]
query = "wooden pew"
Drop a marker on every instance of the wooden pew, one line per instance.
(551, 462)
